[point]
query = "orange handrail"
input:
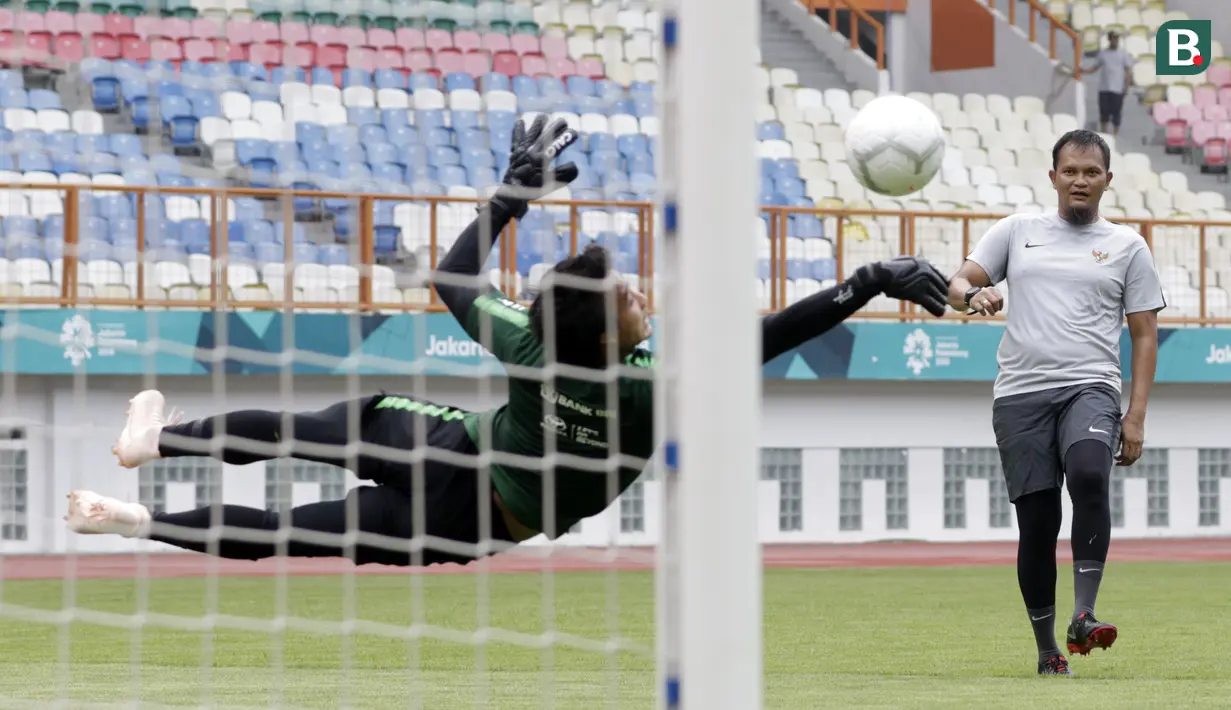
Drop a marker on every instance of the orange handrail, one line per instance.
(1055, 24)
(858, 14)
(839, 225)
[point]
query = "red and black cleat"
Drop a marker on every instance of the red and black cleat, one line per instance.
(1055, 665)
(1087, 633)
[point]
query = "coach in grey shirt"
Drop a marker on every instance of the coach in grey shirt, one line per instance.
(1115, 68)
(1056, 409)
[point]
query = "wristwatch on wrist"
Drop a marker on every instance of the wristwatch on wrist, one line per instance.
(970, 293)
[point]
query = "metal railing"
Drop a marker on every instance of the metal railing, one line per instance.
(856, 15)
(1037, 12)
(852, 237)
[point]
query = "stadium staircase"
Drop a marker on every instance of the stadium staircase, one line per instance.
(782, 45)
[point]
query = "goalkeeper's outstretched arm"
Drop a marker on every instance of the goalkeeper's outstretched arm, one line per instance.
(908, 278)
(457, 279)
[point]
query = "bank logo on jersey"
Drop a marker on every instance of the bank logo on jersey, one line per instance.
(1100, 257)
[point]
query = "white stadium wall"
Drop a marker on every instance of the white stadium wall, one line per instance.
(843, 461)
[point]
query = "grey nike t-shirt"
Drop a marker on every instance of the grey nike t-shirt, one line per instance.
(1070, 287)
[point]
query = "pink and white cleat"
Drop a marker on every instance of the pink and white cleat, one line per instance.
(138, 442)
(92, 514)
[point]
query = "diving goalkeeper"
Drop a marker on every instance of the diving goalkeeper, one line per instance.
(440, 495)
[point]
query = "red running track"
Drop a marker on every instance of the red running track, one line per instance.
(529, 559)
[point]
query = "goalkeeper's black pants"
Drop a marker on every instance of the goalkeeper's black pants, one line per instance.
(440, 497)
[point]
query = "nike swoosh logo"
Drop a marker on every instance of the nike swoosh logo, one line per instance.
(1096, 431)
(1083, 571)
(1031, 246)
(1040, 618)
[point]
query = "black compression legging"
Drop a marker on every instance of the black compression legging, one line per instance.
(253, 435)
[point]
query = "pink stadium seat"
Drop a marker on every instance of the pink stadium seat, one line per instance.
(1163, 112)
(1205, 95)
(534, 65)
(176, 28)
(381, 38)
(117, 25)
(1224, 95)
(205, 28)
(268, 54)
(554, 47)
(88, 23)
(1188, 113)
(390, 58)
(524, 44)
(30, 22)
(294, 33)
(68, 47)
(324, 34)
(8, 47)
(352, 36)
(591, 67)
(561, 67)
(239, 32)
(1215, 113)
(1219, 75)
(263, 32)
(135, 48)
(410, 38)
(418, 60)
(301, 55)
(200, 50)
(507, 63)
(6, 19)
(437, 40)
(477, 63)
(167, 50)
(1214, 156)
(332, 56)
(146, 26)
(1200, 132)
(59, 22)
(1223, 129)
(467, 40)
(361, 58)
(496, 42)
(449, 61)
(104, 46)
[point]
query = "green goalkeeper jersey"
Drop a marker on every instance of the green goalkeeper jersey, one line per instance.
(580, 419)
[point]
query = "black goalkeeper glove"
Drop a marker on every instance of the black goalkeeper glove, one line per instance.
(530, 175)
(908, 278)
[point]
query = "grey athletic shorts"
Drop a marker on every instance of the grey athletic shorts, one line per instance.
(1036, 429)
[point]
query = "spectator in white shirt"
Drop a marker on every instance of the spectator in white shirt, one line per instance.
(1115, 67)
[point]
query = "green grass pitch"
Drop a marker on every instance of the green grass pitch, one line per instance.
(921, 637)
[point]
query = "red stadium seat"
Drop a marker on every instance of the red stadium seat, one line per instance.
(294, 33)
(228, 51)
(332, 56)
(88, 23)
(69, 48)
(524, 44)
(104, 46)
(476, 63)
(324, 34)
(418, 60)
(176, 28)
(467, 40)
(507, 63)
(554, 47)
(496, 42)
(534, 65)
(561, 67)
(166, 50)
(1177, 135)
(410, 38)
(200, 50)
(300, 55)
(134, 48)
(37, 49)
(8, 48)
(6, 19)
(449, 61)
(58, 23)
(381, 38)
(146, 26)
(1214, 157)
(1198, 133)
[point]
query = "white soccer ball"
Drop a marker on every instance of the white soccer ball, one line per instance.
(895, 145)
